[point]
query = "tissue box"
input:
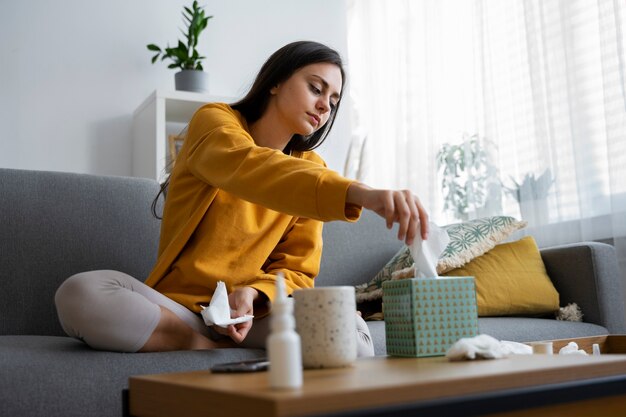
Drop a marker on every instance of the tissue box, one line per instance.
(425, 316)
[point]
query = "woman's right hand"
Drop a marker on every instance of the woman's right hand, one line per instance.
(396, 206)
(241, 303)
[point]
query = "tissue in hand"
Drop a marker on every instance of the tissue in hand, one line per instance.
(218, 311)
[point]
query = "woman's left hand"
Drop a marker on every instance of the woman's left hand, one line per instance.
(241, 302)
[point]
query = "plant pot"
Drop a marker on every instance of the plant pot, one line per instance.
(535, 212)
(192, 80)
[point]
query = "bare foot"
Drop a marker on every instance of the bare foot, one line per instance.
(172, 333)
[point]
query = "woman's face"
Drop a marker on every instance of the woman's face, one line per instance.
(305, 100)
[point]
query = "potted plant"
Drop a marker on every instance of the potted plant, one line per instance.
(466, 172)
(185, 56)
(532, 196)
(531, 187)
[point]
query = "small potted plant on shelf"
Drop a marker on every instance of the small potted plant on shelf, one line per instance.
(185, 56)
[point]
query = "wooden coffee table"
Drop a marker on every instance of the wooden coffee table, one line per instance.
(519, 385)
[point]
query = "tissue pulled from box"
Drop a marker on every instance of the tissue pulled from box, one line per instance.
(218, 312)
(426, 253)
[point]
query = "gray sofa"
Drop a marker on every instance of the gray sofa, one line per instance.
(53, 225)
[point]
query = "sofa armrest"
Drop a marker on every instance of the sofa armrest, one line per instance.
(587, 273)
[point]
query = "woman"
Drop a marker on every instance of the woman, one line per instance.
(246, 200)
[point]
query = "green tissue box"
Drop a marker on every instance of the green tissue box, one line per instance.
(425, 316)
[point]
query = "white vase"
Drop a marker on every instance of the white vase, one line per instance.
(192, 80)
(535, 212)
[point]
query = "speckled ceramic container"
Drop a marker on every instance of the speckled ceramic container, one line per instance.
(326, 323)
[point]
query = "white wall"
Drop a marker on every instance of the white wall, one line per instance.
(73, 72)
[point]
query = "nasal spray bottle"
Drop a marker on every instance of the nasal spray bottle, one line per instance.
(283, 343)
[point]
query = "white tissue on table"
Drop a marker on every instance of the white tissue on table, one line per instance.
(515, 348)
(485, 347)
(218, 311)
(426, 253)
(571, 349)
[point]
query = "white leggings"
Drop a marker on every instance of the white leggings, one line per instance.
(110, 310)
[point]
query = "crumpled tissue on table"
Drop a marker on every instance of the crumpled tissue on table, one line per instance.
(218, 312)
(485, 347)
(572, 349)
(426, 253)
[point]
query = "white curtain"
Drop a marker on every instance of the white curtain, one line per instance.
(540, 85)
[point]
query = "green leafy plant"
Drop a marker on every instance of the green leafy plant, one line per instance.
(184, 55)
(531, 187)
(465, 170)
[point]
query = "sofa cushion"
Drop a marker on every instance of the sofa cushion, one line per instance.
(511, 279)
(526, 329)
(475, 237)
(355, 252)
(57, 224)
(516, 329)
(60, 376)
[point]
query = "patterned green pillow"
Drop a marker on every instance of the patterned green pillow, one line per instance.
(467, 241)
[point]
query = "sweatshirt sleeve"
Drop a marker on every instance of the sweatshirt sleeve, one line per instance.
(297, 256)
(224, 155)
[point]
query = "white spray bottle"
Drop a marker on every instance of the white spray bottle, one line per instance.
(283, 343)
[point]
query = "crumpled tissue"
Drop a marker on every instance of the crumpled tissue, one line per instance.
(571, 349)
(426, 253)
(218, 312)
(485, 347)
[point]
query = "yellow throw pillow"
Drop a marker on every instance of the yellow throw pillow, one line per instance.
(511, 279)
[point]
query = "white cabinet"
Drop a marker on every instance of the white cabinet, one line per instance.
(161, 113)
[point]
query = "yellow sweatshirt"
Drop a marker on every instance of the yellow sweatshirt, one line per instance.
(239, 213)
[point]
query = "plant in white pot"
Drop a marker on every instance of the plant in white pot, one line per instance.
(185, 56)
(532, 196)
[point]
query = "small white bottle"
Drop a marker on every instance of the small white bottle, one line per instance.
(596, 349)
(283, 343)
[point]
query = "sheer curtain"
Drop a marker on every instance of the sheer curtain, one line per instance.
(540, 85)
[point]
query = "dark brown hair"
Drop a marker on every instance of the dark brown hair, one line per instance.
(278, 68)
